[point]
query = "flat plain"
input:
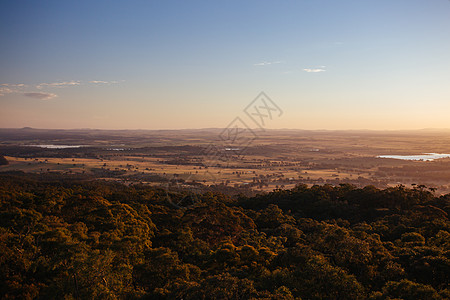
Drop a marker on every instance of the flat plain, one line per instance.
(252, 162)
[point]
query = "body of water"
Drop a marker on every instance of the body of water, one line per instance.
(423, 157)
(57, 146)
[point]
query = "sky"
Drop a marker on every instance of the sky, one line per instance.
(326, 64)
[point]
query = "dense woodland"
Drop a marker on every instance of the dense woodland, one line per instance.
(3, 161)
(75, 239)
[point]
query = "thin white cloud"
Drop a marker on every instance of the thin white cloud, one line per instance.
(20, 88)
(267, 63)
(41, 96)
(9, 88)
(315, 70)
(5, 90)
(105, 82)
(12, 85)
(58, 84)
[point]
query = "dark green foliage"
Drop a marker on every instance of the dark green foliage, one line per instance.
(67, 239)
(3, 161)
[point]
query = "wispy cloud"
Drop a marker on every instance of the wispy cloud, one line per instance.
(104, 82)
(268, 63)
(5, 90)
(58, 84)
(41, 96)
(9, 88)
(20, 88)
(12, 85)
(74, 83)
(316, 69)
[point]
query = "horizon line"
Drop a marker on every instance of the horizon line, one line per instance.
(220, 128)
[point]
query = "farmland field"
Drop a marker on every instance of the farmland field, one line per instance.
(274, 159)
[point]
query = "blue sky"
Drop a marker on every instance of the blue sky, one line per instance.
(197, 64)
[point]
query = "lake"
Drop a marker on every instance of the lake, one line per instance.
(57, 146)
(423, 157)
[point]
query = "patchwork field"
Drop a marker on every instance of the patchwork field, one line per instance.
(263, 161)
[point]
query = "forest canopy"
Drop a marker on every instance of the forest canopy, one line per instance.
(79, 239)
(3, 161)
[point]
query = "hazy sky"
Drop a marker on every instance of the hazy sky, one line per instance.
(373, 64)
